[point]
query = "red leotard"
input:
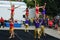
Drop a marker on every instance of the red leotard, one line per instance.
(11, 25)
(37, 10)
(27, 12)
(12, 10)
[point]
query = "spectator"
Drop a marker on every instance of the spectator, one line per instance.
(50, 23)
(55, 21)
(2, 22)
(46, 21)
(56, 26)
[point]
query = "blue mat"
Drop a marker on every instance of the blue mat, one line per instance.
(7, 24)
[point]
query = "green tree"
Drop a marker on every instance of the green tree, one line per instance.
(52, 7)
(29, 3)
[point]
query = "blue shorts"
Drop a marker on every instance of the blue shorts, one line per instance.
(43, 13)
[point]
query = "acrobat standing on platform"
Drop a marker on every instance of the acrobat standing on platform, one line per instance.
(44, 11)
(12, 10)
(26, 12)
(37, 10)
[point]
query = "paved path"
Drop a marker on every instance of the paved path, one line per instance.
(21, 35)
(48, 31)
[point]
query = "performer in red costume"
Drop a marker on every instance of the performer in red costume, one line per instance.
(37, 10)
(11, 29)
(12, 11)
(27, 12)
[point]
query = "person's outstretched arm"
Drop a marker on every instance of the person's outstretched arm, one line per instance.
(18, 6)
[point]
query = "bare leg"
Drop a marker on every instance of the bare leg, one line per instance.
(35, 33)
(39, 33)
(25, 29)
(11, 35)
(42, 29)
(43, 16)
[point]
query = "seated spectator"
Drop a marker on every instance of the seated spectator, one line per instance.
(2, 22)
(50, 23)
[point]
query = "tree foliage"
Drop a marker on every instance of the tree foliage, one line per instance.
(30, 3)
(52, 7)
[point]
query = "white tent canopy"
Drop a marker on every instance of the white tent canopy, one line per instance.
(5, 13)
